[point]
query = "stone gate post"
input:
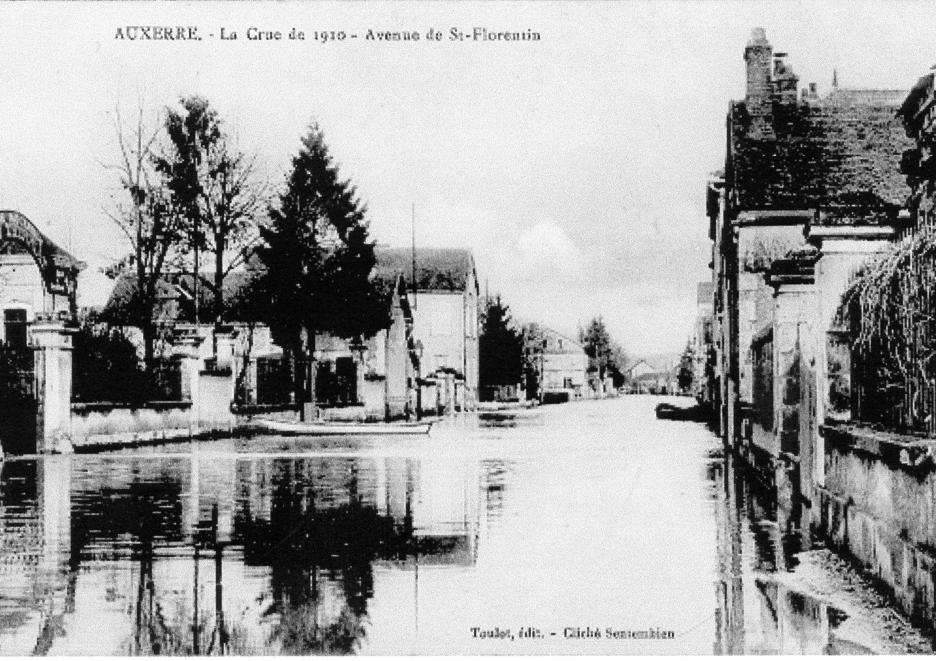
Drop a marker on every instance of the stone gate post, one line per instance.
(186, 351)
(793, 364)
(843, 249)
(52, 343)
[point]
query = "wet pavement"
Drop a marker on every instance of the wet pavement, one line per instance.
(584, 528)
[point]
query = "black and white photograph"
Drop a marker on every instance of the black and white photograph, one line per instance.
(467, 328)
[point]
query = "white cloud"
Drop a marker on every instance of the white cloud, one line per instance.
(546, 250)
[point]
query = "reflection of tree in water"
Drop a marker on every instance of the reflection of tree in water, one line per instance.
(310, 542)
(134, 519)
(135, 515)
(317, 524)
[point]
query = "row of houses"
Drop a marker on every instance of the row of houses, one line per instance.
(426, 359)
(424, 362)
(814, 190)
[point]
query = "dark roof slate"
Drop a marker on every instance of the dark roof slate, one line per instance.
(59, 256)
(841, 152)
(437, 269)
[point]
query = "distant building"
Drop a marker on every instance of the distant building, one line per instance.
(643, 378)
(565, 364)
(639, 369)
(432, 342)
(445, 317)
(378, 374)
(703, 381)
(373, 379)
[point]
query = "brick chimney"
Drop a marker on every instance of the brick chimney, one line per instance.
(785, 81)
(757, 57)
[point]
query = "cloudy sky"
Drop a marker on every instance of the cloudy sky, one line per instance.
(574, 167)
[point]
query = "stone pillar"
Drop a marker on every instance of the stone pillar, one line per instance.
(225, 339)
(186, 351)
(52, 343)
(843, 249)
(792, 346)
(360, 369)
(449, 397)
(793, 365)
(245, 364)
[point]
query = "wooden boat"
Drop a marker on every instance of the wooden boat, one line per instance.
(666, 411)
(343, 428)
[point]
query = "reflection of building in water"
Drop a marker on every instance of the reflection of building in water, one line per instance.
(763, 615)
(214, 554)
(796, 623)
(729, 633)
(35, 574)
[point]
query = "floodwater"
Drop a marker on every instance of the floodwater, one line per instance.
(583, 528)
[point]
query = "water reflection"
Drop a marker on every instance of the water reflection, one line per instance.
(586, 515)
(188, 555)
(758, 545)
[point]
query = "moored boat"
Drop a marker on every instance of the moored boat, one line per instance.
(319, 428)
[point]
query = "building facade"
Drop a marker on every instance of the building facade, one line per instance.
(565, 365)
(36, 278)
(443, 286)
(807, 178)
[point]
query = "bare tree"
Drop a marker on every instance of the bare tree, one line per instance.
(217, 186)
(144, 210)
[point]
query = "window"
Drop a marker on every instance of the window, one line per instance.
(14, 328)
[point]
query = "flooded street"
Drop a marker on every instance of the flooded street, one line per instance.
(544, 531)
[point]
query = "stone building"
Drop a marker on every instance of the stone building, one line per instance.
(810, 188)
(444, 289)
(38, 282)
(703, 346)
(918, 113)
(565, 366)
(369, 378)
(37, 277)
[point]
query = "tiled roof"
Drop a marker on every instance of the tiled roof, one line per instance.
(60, 257)
(437, 269)
(842, 151)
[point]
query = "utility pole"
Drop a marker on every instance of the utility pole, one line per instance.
(413, 255)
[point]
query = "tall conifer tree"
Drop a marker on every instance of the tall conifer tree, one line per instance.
(318, 261)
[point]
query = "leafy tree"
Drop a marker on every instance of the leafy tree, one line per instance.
(500, 346)
(144, 210)
(215, 186)
(318, 261)
(685, 375)
(105, 365)
(605, 355)
(598, 345)
(533, 342)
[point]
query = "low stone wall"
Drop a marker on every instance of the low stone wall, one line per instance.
(216, 392)
(108, 424)
(245, 417)
(878, 506)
